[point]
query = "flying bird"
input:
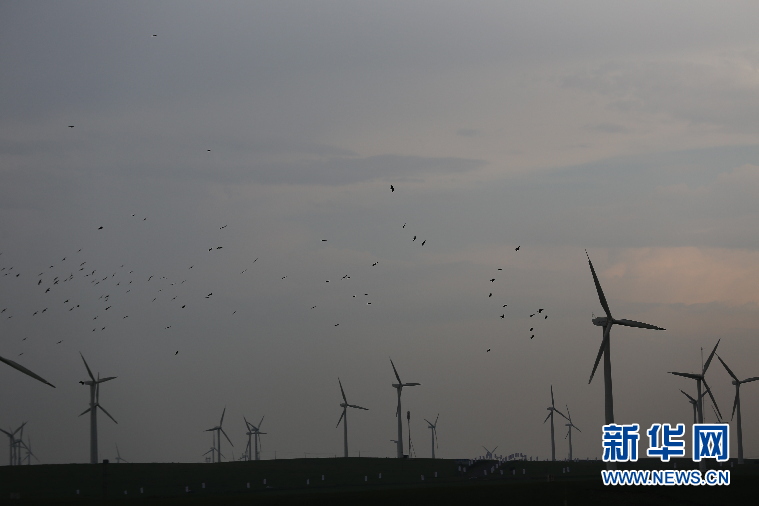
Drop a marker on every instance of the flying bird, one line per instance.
(424, 241)
(404, 226)
(392, 188)
(488, 350)
(414, 239)
(177, 353)
(532, 336)
(324, 240)
(540, 310)
(492, 280)
(491, 294)
(222, 227)
(503, 316)
(505, 305)
(100, 228)
(71, 126)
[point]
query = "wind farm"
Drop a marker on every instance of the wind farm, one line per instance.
(233, 205)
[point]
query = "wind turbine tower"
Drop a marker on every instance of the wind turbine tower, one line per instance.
(607, 322)
(254, 431)
(94, 385)
(551, 410)
(344, 417)
(219, 432)
(570, 425)
(399, 387)
(737, 405)
(433, 428)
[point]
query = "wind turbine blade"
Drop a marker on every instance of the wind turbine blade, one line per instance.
(750, 380)
(712, 396)
(687, 375)
(247, 423)
(711, 356)
(340, 419)
(8, 433)
(689, 397)
(85, 411)
(428, 421)
(109, 378)
(97, 392)
(494, 449)
(411, 384)
(342, 391)
(222, 416)
(552, 404)
(632, 323)
(735, 404)
(395, 371)
(549, 416)
(88, 367)
(568, 413)
(259, 423)
(727, 368)
(26, 371)
(562, 414)
(607, 329)
(209, 451)
(225, 435)
(487, 450)
(358, 407)
(573, 425)
(438, 416)
(600, 291)
(107, 413)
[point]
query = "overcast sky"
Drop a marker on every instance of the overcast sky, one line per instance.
(627, 130)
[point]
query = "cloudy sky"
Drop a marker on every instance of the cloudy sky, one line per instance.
(219, 144)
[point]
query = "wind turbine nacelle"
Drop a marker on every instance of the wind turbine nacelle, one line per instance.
(343, 405)
(396, 385)
(600, 321)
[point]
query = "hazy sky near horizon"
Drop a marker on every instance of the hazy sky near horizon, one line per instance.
(627, 129)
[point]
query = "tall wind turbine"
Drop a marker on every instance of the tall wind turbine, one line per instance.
(570, 426)
(254, 431)
(694, 403)
(219, 432)
(399, 386)
(25, 371)
(700, 378)
(433, 428)
(737, 406)
(607, 323)
(551, 410)
(94, 385)
(344, 416)
(12, 443)
(119, 460)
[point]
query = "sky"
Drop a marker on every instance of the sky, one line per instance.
(239, 157)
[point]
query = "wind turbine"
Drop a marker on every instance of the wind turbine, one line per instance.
(489, 453)
(737, 405)
(119, 460)
(219, 432)
(29, 452)
(570, 425)
(694, 403)
(12, 442)
(551, 409)
(433, 428)
(25, 371)
(607, 323)
(344, 416)
(700, 403)
(256, 433)
(94, 405)
(399, 386)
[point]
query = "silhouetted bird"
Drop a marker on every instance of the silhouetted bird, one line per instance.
(59, 342)
(222, 227)
(488, 350)
(531, 328)
(424, 241)
(208, 150)
(500, 269)
(392, 188)
(375, 263)
(546, 317)
(283, 277)
(414, 239)
(109, 307)
(314, 307)
(533, 314)
(491, 294)
(100, 228)
(540, 310)
(183, 307)
(218, 247)
(503, 316)
(47, 290)
(404, 226)
(151, 277)
(177, 353)
(209, 295)
(505, 305)
(71, 126)
(324, 240)
(336, 324)
(517, 249)
(532, 336)
(492, 280)
(39, 282)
